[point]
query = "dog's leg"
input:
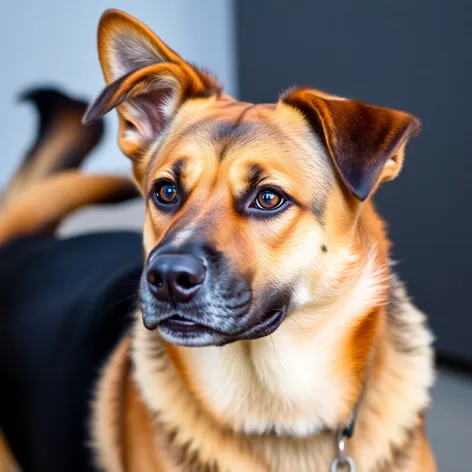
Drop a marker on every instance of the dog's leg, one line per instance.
(61, 141)
(42, 206)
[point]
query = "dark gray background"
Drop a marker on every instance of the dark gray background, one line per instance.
(407, 54)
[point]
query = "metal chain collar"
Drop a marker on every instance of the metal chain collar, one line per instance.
(342, 462)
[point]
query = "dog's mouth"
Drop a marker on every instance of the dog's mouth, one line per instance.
(185, 331)
(182, 324)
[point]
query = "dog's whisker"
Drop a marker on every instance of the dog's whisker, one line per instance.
(129, 297)
(267, 333)
(296, 322)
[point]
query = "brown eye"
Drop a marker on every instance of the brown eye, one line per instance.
(165, 192)
(268, 200)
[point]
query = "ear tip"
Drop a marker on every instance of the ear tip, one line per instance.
(114, 16)
(86, 121)
(90, 116)
(412, 126)
(416, 128)
(361, 192)
(411, 123)
(112, 12)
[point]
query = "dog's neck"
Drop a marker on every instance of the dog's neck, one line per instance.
(284, 397)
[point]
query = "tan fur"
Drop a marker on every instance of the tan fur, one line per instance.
(44, 160)
(44, 205)
(274, 403)
(7, 460)
(380, 427)
(61, 143)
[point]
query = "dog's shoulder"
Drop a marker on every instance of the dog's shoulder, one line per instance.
(107, 420)
(122, 425)
(415, 455)
(407, 324)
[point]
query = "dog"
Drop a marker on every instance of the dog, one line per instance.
(272, 333)
(44, 396)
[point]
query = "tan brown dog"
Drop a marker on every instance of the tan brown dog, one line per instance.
(39, 197)
(268, 309)
(269, 315)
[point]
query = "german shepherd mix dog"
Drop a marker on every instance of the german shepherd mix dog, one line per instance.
(270, 322)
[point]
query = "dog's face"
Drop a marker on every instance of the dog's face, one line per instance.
(250, 209)
(239, 226)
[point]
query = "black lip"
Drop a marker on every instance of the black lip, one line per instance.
(183, 329)
(270, 322)
(180, 324)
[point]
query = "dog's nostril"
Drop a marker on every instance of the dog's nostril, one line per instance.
(184, 281)
(154, 279)
(175, 278)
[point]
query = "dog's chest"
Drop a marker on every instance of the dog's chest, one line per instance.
(303, 455)
(277, 387)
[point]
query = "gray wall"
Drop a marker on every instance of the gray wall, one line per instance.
(54, 42)
(407, 54)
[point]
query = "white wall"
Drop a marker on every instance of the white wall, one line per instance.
(54, 42)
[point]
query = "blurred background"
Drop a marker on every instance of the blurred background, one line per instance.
(407, 54)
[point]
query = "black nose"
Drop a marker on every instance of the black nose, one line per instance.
(175, 277)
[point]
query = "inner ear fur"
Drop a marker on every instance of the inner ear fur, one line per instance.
(147, 81)
(365, 142)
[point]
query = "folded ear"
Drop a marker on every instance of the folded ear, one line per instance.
(147, 81)
(365, 142)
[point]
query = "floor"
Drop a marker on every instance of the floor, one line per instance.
(449, 420)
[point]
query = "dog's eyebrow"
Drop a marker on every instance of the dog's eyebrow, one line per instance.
(252, 179)
(254, 175)
(174, 139)
(177, 168)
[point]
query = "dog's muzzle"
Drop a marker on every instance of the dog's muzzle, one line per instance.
(194, 297)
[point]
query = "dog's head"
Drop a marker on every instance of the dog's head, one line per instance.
(250, 209)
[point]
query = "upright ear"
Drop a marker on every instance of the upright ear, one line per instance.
(146, 80)
(365, 142)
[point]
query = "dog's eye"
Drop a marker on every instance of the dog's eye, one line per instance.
(165, 192)
(268, 199)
